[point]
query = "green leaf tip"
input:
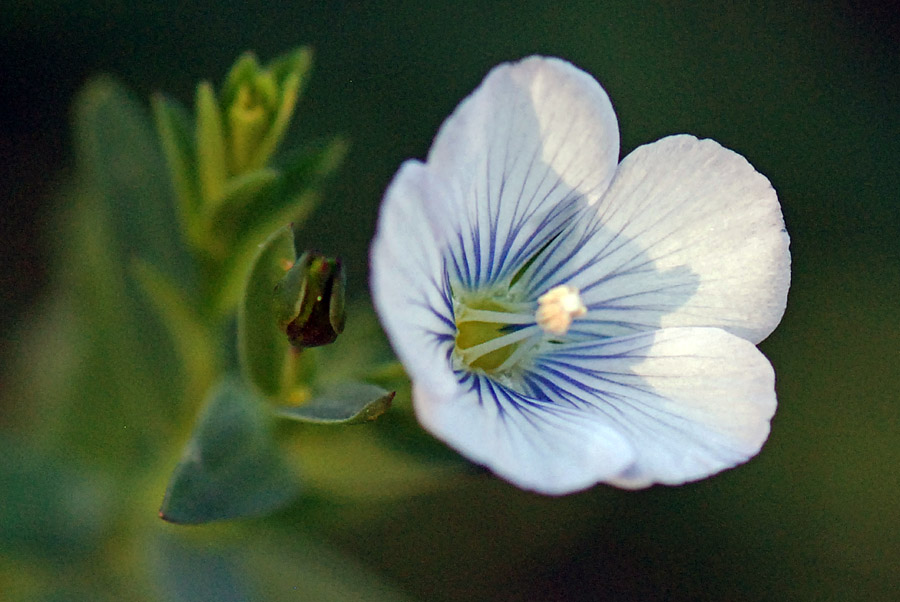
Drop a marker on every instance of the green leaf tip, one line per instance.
(176, 133)
(232, 466)
(346, 403)
(212, 164)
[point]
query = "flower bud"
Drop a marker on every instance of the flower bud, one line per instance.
(309, 301)
(258, 103)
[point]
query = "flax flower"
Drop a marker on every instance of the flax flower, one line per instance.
(567, 319)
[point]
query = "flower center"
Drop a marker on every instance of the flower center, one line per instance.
(493, 333)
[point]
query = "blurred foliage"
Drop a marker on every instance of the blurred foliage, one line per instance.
(807, 91)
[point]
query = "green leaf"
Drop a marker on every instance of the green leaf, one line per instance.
(121, 163)
(175, 127)
(270, 562)
(212, 161)
(291, 72)
(231, 467)
(187, 571)
(298, 61)
(346, 403)
(297, 191)
(290, 93)
(240, 192)
(124, 209)
(51, 505)
(292, 566)
(192, 339)
(262, 346)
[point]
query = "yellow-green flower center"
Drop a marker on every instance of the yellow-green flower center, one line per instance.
(493, 333)
(489, 332)
(471, 334)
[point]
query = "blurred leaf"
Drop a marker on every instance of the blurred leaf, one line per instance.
(175, 128)
(298, 61)
(187, 572)
(123, 392)
(231, 467)
(120, 162)
(262, 346)
(282, 119)
(242, 72)
(212, 162)
(241, 191)
(126, 388)
(347, 403)
(260, 563)
(249, 119)
(298, 567)
(191, 337)
(302, 176)
(50, 506)
(352, 463)
(290, 93)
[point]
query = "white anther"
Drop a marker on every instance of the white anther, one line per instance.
(557, 308)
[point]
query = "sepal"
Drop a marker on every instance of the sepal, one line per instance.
(309, 301)
(346, 403)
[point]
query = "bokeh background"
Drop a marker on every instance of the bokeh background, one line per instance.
(807, 91)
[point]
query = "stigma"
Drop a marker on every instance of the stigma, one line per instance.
(557, 308)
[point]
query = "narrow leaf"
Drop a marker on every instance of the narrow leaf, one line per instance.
(346, 403)
(191, 338)
(297, 61)
(212, 162)
(121, 162)
(231, 467)
(262, 347)
(240, 192)
(301, 179)
(174, 127)
(289, 95)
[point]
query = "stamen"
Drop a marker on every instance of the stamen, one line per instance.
(518, 354)
(471, 355)
(468, 314)
(557, 308)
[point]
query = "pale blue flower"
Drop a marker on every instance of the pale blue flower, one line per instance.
(567, 319)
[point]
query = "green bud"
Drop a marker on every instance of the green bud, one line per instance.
(259, 103)
(309, 301)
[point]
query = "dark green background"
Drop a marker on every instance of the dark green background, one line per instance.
(807, 92)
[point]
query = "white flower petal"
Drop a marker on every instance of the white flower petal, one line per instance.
(533, 143)
(690, 401)
(688, 234)
(533, 444)
(409, 286)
